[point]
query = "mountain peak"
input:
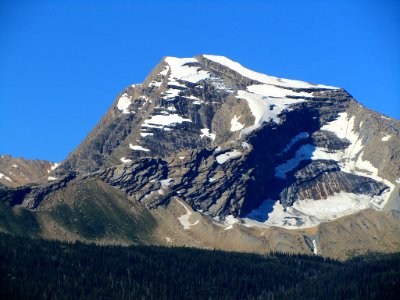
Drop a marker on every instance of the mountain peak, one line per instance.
(240, 120)
(192, 70)
(187, 96)
(205, 145)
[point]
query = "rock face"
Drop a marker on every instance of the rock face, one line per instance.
(234, 147)
(16, 172)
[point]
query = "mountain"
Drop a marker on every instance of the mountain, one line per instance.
(208, 153)
(16, 172)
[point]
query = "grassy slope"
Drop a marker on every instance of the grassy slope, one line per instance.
(90, 210)
(18, 221)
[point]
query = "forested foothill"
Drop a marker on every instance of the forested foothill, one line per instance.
(40, 269)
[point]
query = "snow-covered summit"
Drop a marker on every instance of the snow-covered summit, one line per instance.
(180, 68)
(267, 99)
(289, 83)
(187, 69)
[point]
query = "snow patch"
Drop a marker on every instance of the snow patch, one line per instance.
(51, 178)
(138, 148)
(206, 133)
(265, 108)
(125, 160)
(54, 166)
(182, 71)
(166, 182)
(15, 166)
(315, 249)
(235, 124)
(171, 93)
(144, 134)
(223, 158)
(152, 126)
(165, 71)
(386, 138)
(169, 240)
(230, 220)
(184, 219)
(246, 145)
(123, 103)
(5, 177)
(191, 97)
(159, 121)
(181, 157)
(155, 84)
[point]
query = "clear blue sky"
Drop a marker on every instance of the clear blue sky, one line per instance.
(62, 63)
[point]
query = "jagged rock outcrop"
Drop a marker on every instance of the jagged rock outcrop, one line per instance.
(31, 196)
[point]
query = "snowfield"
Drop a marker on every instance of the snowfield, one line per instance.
(262, 77)
(309, 213)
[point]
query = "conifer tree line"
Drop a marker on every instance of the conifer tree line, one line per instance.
(39, 269)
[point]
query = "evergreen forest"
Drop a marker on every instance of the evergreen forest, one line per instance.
(40, 269)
